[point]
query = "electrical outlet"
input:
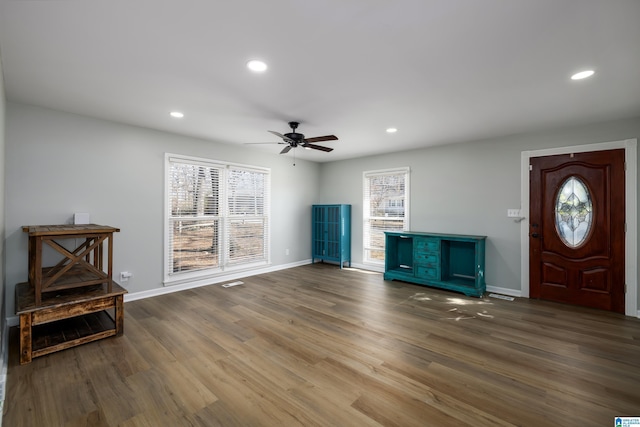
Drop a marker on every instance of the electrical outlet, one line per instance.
(513, 213)
(286, 251)
(125, 275)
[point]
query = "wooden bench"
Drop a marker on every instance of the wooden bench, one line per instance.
(67, 319)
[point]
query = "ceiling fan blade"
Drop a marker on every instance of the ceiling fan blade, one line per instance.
(278, 134)
(317, 147)
(322, 138)
(286, 149)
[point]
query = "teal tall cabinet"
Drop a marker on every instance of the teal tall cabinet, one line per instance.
(331, 233)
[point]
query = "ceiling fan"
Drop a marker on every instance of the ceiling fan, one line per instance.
(294, 139)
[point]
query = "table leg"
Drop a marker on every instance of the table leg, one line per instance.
(32, 251)
(25, 338)
(99, 256)
(119, 312)
(37, 270)
(110, 262)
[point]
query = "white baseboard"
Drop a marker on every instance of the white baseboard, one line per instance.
(369, 267)
(505, 291)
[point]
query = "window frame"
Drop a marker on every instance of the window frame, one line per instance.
(224, 216)
(366, 210)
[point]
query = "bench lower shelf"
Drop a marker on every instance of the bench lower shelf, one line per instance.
(68, 319)
(67, 333)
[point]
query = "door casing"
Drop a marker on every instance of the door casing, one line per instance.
(631, 214)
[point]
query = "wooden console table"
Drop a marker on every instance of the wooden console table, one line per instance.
(82, 266)
(68, 319)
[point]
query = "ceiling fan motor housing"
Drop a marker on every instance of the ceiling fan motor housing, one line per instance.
(298, 138)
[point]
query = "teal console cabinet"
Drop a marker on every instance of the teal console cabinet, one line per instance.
(448, 261)
(331, 233)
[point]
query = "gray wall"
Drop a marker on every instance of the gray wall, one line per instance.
(3, 317)
(2, 170)
(465, 188)
(59, 163)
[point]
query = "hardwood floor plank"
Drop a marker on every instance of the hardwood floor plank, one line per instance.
(220, 414)
(329, 409)
(259, 395)
(321, 346)
(244, 405)
(512, 406)
(91, 419)
(398, 411)
(464, 413)
(113, 396)
(173, 387)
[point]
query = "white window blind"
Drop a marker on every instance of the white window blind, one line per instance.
(217, 217)
(247, 221)
(385, 208)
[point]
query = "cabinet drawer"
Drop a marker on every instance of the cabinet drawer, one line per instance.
(427, 272)
(427, 258)
(426, 244)
(47, 315)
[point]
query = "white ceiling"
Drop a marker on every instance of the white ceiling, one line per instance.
(441, 71)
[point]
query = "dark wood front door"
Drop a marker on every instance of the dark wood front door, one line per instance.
(576, 229)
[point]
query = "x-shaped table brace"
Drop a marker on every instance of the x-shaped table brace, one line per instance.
(76, 257)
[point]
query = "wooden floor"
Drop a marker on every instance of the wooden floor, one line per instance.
(320, 346)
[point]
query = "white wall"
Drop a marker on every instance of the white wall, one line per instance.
(59, 163)
(465, 188)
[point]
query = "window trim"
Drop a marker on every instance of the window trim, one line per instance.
(170, 278)
(365, 208)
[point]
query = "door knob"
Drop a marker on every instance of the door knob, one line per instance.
(535, 235)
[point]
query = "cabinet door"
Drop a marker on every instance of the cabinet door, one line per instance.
(319, 220)
(333, 231)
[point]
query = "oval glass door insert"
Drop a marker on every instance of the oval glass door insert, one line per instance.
(574, 216)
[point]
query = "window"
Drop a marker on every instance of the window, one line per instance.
(217, 217)
(385, 208)
(574, 216)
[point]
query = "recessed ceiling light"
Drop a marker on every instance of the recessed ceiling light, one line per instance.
(257, 66)
(176, 114)
(582, 75)
(392, 130)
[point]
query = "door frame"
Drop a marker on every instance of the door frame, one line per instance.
(631, 213)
